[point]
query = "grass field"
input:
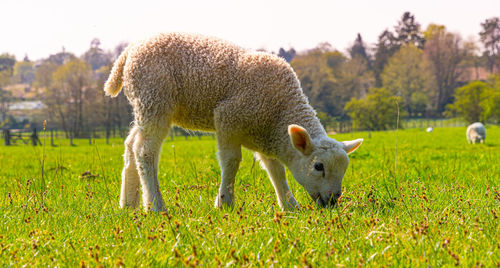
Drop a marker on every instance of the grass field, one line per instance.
(440, 208)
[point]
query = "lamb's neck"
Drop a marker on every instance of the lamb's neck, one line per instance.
(304, 116)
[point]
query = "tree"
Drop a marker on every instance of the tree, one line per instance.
(490, 37)
(406, 74)
(358, 50)
(408, 31)
(288, 55)
(5, 99)
(7, 63)
(472, 59)
(471, 102)
(355, 77)
(445, 53)
(316, 70)
(493, 103)
(96, 56)
(61, 57)
(378, 111)
(385, 48)
(65, 99)
(24, 72)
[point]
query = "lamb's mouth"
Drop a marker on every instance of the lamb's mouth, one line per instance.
(332, 201)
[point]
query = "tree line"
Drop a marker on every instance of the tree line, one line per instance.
(71, 89)
(420, 69)
(428, 73)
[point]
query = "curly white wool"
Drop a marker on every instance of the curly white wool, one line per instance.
(476, 133)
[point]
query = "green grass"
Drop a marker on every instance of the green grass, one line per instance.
(440, 208)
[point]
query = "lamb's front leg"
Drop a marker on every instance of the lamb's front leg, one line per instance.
(277, 175)
(229, 161)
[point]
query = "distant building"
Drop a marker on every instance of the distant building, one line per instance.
(26, 105)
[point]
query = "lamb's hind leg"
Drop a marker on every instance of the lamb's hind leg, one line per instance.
(277, 175)
(129, 196)
(147, 147)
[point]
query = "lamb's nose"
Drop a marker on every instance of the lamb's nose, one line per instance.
(333, 199)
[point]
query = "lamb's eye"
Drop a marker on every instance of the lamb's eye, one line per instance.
(318, 166)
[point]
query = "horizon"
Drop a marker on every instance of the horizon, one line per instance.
(256, 25)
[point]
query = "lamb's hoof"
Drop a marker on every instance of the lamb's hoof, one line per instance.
(290, 207)
(155, 207)
(129, 204)
(222, 202)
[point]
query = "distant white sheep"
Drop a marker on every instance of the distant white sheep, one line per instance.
(476, 133)
(250, 99)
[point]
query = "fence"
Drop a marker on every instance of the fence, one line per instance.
(59, 137)
(26, 136)
(12, 136)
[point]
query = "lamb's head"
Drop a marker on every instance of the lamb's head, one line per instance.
(478, 139)
(320, 164)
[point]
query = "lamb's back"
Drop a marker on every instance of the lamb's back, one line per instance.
(195, 74)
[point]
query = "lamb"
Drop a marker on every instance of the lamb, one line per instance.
(476, 133)
(250, 99)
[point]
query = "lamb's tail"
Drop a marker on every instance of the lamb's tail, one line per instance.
(114, 84)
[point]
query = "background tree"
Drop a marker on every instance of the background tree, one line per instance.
(61, 57)
(408, 31)
(493, 102)
(445, 53)
(407, 75)
(96, 56)
(385, 48)
(378, 111)
(7, 63)
(315, 69)
(357, 76)
(288, 55)
(472, 59)
(66, 98)
(24, 72)
(5, 99)
(358, 50)
(490, 37)
(472, 101)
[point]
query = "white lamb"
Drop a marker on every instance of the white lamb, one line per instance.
(249, 99)
(476, 133)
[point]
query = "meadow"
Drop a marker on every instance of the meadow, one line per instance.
(410, 198)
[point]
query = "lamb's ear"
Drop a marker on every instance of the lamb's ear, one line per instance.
(300, 139)
(351, 146)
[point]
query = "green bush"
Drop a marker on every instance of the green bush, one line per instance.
(378, 111)
(472, 102)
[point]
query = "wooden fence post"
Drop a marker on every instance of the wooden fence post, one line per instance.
(34, 138)
(6, 135)
(52, 137)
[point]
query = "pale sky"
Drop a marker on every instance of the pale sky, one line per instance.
(42, 27)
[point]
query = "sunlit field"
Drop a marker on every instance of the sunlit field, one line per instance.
(410, 198)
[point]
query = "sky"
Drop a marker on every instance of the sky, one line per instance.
(40, 28)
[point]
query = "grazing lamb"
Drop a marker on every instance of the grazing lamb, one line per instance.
(476, 133)
(249, 99)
